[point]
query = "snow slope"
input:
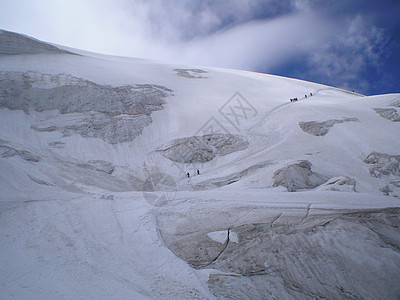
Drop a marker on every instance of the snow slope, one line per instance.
(95, 202)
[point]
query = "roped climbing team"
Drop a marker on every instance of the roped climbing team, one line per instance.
(295, 99)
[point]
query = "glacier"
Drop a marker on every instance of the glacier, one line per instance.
(293, 200)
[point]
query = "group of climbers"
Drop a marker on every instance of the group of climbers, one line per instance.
(197, 172)
(295, 99)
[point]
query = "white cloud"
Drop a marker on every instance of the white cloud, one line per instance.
(302, 5)
(350, 48)
(254, 43)
(205, 32)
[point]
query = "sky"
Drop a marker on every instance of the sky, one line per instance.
(351, 44)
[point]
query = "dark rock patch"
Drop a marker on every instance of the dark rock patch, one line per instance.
(98, 165)
(39, 181)
(231, 178)
(7, 151)
(390, 114)
(203, 148)
(56, 144)
(13, 44)
(191, 73)
(339, 184)
(298, 177)
(322, 128)
(114, 114)
(383, 164)
(392, 189)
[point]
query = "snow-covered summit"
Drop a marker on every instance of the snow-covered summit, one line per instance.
(95, 151)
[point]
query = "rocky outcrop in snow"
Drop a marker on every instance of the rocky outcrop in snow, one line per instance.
(113, 129)
(339, 184)
(98, 165)
(13, 44)
(190, 73)
(114, 114)
(391, 114)
(231, 178)
(322, 128)
(39, 181)
(203, 148)
(383, 164)
(396, 103)
(298, 177)
(392, 189)
(319, 256)
(7, 151)
(303, 261)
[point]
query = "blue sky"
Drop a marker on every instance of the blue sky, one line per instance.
(353, 44)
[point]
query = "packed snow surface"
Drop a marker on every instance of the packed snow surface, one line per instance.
(125, 178)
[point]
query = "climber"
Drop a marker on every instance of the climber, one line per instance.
(305, 96)
(310, 94)
(188, 174)
(198, 172)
